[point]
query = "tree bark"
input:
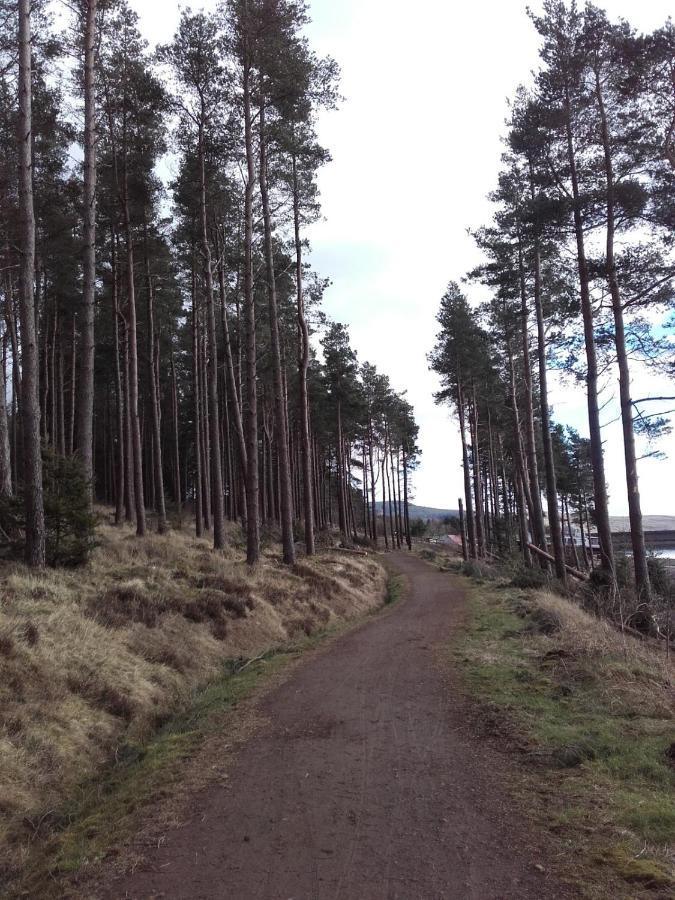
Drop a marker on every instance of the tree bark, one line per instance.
(121, 474)
(551, 485)
(216, 471)
(199, 521)
(530, 442)
(280, 412)
(30, 401)
(303, 366)
(597, 457)
(6, 483)
(85, 418)
(132, 341)
(251, 407)
(160, 505)
(473, 550)
(642, 580)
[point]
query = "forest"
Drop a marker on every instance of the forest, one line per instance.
(212, 682)
(164, 351)
(577, 280)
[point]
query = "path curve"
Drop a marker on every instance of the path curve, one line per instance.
(365, 785)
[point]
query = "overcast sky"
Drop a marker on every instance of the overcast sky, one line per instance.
(416, 147)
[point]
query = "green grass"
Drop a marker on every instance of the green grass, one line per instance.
(395, 589)
(594, 720)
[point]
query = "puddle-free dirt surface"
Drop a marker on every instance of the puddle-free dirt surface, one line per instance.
(365, 784)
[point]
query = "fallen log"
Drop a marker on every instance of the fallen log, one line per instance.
(581, 576)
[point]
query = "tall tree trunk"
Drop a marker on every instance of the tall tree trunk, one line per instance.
(597, 457)
(637, 536)
(384, 499)
(6, 483)
(522, 518)
(303, 366)
(121, 474)
(157, 467)
(176, 440)
(406, 506)
(73, 388)
(129, 499)
(477, 488)
(235, 399)
(251, 406)
(339, 465)
(216, 471)
(85, 419)
(530, 442)
(373, 483)
(132, 341)
(473, 550)
(280, 412)
(462, 530)
(204, 419)
(199, 520)
(551, 486)
(30, 402)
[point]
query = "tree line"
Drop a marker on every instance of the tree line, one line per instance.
(166, 339)
(578, 275)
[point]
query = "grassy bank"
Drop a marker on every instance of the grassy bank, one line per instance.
(589, 713)
(96, 663)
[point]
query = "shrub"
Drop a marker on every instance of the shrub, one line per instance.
(529, 578)
(660, 577)
(69, 522)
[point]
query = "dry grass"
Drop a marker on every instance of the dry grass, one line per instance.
(93, 659)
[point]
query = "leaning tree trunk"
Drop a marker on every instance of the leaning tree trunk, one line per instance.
(551, 486)
(280, 412)
(530, 442)
(637, 535)
(30, 401)
(85, 417)
(597, 457)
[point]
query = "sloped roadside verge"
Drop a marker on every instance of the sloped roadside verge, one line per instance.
(589, 713)
(125, 662)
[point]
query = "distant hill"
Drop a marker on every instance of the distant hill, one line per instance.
(620, 524)
(425, 512)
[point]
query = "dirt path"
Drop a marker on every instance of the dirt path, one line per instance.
(364, 786)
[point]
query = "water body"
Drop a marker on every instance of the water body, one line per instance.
(664, 552)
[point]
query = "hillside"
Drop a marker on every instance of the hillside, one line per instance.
(425, 512)
(621, 524)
